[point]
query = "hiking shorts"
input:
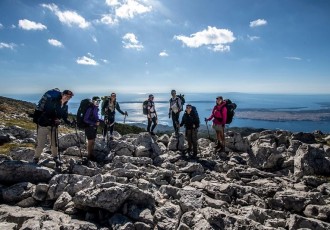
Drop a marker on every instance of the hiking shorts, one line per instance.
(217, 127)
(91, 132)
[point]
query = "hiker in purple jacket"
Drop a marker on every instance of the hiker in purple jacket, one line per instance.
(92, 119)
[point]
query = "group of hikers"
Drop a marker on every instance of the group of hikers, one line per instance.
(53, 107)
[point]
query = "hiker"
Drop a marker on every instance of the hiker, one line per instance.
(152, 115)
(92, 121)
(109, 107)
(47, 125)
(219, 116)
(174, 111)
(191, 122)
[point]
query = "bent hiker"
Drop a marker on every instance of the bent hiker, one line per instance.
(151, 114)
(190, 120)
(174, 111)
(54, 110)
(109, 109)
(92, 121)
(219, 116)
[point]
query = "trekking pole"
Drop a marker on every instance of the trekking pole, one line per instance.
(56, 144)
(207, 127)
(78, 140)
(125, 117)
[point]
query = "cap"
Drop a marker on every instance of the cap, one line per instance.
(68, 92)
(96, 98)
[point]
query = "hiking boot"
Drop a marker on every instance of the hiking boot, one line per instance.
(35, 160)
(152, 133)
(84, 161)
(111, 138)
(57, 161)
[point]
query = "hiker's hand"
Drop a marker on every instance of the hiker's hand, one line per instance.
(169, 115)
(57, 122)
(206, 120)
(97, 123)
(126, 114)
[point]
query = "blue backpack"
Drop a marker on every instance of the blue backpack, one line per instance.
(46, 101)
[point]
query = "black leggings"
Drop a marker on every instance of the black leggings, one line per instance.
(175, 120)
(150, 121)
(108, 122)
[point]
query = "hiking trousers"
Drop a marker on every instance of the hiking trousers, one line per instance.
(151, 121)
(44, 133)
(175, 120)
(191, 135)
(107, 127)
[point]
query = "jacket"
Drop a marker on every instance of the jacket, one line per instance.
(92, 115)
(53, 113)
(189, 120)
(223, 114)
(111, 113)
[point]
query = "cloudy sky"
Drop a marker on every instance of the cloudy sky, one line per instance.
(258, 46)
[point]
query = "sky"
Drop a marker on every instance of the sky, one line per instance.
(150, 46)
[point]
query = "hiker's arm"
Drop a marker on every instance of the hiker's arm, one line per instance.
(118, 109)
(65, 116)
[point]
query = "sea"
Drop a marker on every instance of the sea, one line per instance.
(204, 102)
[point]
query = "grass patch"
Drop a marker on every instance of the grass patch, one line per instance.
(25, 123)
(7, 147)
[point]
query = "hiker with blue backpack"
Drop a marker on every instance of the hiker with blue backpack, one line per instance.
(219, 118)
(92, 121)
(190, 120)
(109, 108)
(150, 110)
(176, 104)
(52, 108)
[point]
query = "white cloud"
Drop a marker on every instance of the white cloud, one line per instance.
(1, 26)
(211, 37)
(131, 8)
(258, 22)
(108, 20)
(112, 2)
(70, 18)
(252, 38)
(30, 25)
(131, 42)
(7, 46)
(294, 58)
(86, 61)
(163, 54)
(55, 42)
(94, 39)
(105, 61)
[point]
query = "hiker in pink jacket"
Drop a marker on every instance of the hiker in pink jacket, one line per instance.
(219, 116)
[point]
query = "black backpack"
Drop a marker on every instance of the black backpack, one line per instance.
(84, 105)
(46, 101)
(230, 110)
(145, 107)
(183, 100)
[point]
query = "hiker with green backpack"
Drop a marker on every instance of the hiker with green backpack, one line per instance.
(176, 105)
(92, 121)
(54, 109)
(109, 107)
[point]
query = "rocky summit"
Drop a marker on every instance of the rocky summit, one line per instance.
(272, 179)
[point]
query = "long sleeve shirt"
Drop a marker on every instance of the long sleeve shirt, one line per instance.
(219, 114)
(92, 116)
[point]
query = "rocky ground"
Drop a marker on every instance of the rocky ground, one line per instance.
(266, 180)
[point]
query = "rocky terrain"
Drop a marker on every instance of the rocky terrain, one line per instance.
(266, 180)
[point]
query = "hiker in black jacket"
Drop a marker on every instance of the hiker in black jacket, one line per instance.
(110, 106)
(191, 122)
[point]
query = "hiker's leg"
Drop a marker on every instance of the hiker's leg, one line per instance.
(111, 121)
(189, 138)
(149, 124)
(90, 133)
(105, 130)
(222, 137)
(42, 133)
(154, 120)
(90, 148)
(194, 141)
(54, 141)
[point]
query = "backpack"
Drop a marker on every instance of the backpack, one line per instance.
(181, 96)
(46, 101)
(104, 100)
(194, 110)
(84, 105)
(145, 107)
(230, 110)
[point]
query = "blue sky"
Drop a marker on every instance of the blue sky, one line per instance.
(142, 46)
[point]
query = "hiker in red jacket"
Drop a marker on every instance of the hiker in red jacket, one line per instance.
(219, 116)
